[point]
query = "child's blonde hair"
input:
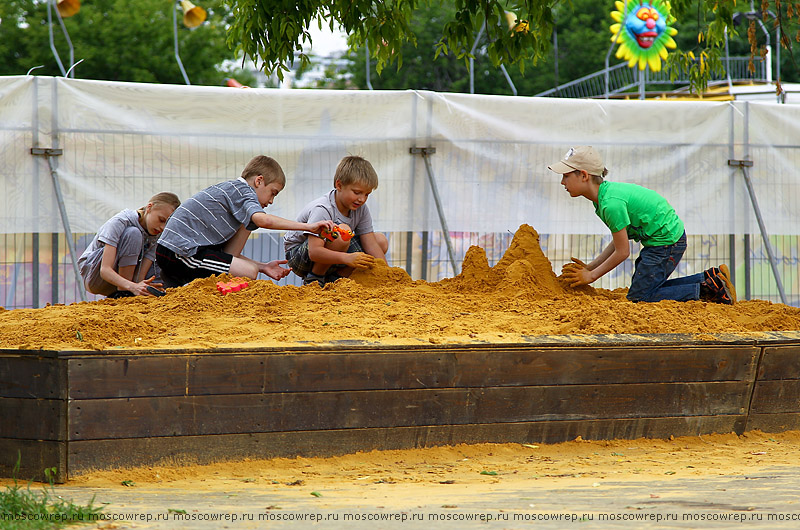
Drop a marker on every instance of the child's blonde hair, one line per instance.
(267, 167)
(355, 170)
(165, 197)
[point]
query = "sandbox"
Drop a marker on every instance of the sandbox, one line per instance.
(498, 354)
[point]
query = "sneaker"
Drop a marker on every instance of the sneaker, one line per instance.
(312, 278)
(713, 272)
(725, 274)
(332, 277)
(120, 294)
(714, 289)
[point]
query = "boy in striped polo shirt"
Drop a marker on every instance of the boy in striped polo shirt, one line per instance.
(206, 234)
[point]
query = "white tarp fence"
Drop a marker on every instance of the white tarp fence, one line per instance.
(124, 142)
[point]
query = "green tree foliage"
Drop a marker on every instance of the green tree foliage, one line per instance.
(583, 41)
(706, 23)
(271, 31)
(118, 40)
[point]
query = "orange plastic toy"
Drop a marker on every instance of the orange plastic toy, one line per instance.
(232, 286)
(336, 233)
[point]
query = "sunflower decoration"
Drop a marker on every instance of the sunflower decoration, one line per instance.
(643, 32)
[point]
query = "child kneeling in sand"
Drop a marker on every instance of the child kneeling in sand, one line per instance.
(119, 257)
(633, 212)
(323, 260)
(207, 233)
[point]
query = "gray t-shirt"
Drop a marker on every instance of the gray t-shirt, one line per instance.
(324, 209)
(128, 253)
(211, 217)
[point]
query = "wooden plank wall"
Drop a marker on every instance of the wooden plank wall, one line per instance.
(33, 415)
(78, 411)
(138, 409)
(776, 399)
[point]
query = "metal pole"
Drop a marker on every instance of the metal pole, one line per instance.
(366, 48)
(748, 270)
(175, 33)
(732, 188)
(472, 59)
(52, 41)
(743, 165)
(728, 63)
(69, 43)
(555, 55)
(768, 57)
(613, 43)
(778, 60)
(426, 152)
(641, 82)
(508, 78)
(36, 193)
(48, 154)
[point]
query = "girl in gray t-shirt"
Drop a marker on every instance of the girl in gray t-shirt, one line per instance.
(123, 250)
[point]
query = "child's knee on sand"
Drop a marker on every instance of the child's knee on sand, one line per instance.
(129, 247)
(383, 242)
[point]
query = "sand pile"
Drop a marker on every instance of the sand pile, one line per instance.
(520, 296)
(523, 270)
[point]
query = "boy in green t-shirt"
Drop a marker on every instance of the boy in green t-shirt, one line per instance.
(633, 212)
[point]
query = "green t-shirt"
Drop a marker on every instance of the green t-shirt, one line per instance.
(648, 217)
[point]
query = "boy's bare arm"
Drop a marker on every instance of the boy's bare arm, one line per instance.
(620, 252)
(617, 252)
(236, 244)
(602, 257)
(319, 253)
(273, 222)
(371, 247)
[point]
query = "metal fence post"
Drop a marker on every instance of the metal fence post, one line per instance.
(426, 152)
(49, 154)
(743, 165)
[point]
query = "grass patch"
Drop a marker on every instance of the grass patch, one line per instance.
(24, 509)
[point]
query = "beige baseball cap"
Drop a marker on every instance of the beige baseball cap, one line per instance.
(581, 157)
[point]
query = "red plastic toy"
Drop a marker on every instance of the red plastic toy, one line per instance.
(336, 233)
(232, 286)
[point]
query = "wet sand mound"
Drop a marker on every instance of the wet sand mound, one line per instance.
(380, 275)
(523, 270)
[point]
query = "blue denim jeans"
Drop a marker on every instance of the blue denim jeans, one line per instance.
(653, 267)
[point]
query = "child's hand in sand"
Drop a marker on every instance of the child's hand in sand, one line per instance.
(574, 266)
(274, 270)
(360, 260)
(578, 276)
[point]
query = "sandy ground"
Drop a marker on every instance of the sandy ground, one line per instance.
(696, 480)
(520, 296)
(480, 464)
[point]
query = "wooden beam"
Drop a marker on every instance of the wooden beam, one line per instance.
(228, 414)
(34, 456)
(256, 373)
(33, 419)
(31, 376)
(88, 455)
(780, 362)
